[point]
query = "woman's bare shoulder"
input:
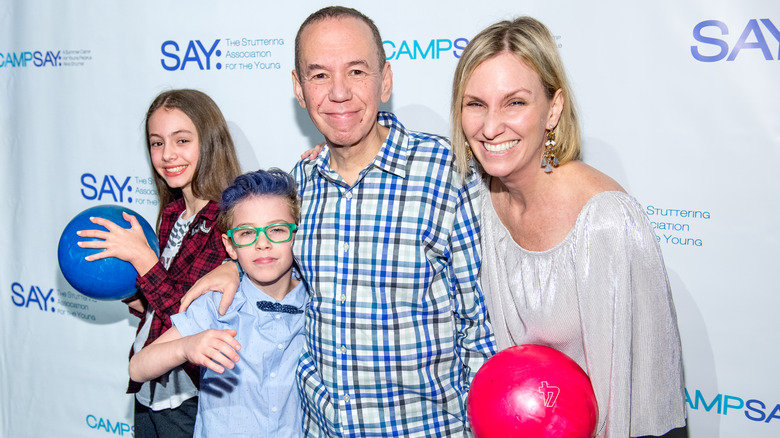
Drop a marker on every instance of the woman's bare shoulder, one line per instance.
(590, 181)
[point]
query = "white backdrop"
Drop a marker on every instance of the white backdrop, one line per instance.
(680, 103)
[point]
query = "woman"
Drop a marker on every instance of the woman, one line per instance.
(569, 259)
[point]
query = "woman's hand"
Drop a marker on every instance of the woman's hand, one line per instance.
(128, 244)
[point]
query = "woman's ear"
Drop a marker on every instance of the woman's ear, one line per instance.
(558, 101)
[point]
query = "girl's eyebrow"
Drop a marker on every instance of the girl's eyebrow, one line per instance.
(180, 131)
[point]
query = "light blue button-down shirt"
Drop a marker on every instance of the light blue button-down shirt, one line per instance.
(259, 396)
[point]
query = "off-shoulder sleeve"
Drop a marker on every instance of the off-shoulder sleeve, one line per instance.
(629, 324)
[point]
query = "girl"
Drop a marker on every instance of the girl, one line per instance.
(194, 160)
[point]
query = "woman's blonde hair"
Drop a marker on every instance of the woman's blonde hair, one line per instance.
(530, 41)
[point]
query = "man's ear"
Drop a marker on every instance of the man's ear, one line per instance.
(387, 82)
(231, 250)
(298, 89)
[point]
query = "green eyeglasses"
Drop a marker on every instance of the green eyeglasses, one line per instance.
(275, 233)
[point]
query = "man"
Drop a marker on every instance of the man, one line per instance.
(389, 242)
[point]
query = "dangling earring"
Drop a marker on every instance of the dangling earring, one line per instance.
(549, 160)
(469, 154)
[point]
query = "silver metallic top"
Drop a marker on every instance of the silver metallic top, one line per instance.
(602, 297)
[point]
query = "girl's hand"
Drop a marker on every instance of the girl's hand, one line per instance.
(313, 152)
(128, 244)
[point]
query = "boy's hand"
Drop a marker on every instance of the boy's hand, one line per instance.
(224, 278)
(213, 349)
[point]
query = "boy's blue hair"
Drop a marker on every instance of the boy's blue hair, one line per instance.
(273, 182)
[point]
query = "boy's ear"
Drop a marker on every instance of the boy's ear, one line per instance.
(231, 250)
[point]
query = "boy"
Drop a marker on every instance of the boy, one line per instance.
(256, 395)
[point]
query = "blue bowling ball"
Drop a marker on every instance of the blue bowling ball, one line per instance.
(105, 279)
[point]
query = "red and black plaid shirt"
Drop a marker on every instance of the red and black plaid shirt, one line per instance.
(161, 290)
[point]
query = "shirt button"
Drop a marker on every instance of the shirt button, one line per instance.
(278, 316)
(348, 195)
(274, 409)
(345, 246)
(343, 298)
(280, 346)
(343, 350)
(346, 398)
(273, 374)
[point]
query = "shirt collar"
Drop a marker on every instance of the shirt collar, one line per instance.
(395, 150)
(392, 156)
(209, 211)
(297, 297)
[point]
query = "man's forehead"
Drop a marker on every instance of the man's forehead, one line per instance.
(344, 23)
(348, 35)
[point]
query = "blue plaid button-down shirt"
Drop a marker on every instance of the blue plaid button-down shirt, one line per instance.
(397, 325)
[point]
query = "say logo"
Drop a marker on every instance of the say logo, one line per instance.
(108, 188)
(763, 37)
(193, 53)
(40, 298)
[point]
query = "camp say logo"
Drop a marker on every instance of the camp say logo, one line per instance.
(113, 427)
(724, 404)
(38, 58)
(45, 58)
(430, 49)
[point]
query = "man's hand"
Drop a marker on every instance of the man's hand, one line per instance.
(313, 152)
(223, 278)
